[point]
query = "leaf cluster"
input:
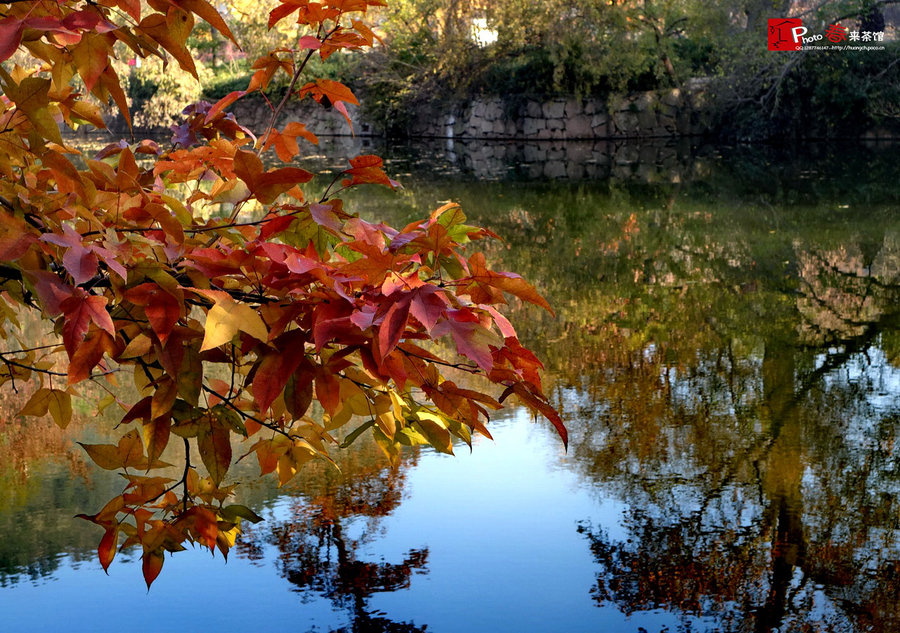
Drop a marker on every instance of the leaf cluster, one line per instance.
(213, 283)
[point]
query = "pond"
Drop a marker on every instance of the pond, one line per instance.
(726, 354)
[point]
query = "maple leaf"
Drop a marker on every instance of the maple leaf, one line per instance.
(54, 401)
(473, 340)
(268, 185)
(275, 368)
(484, 285)
(89, 353)
(226, 318)
(214, 440)
(80, 310)
(11, 29)
(333, 93)
(285, 142)
(163, 309)
(368, 169)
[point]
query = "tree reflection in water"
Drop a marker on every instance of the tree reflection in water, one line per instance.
(759, 460)
(319, 544)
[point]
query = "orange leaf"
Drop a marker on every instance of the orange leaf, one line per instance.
(223, 103)
(151, 565)
(171, 31)
(91, 57)
(484, 284)
(107, 549)
(89, 353)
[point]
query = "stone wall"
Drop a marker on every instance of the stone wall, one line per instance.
(254, 114)
(642, 115)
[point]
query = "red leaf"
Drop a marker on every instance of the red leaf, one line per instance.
(428, 306)
(298, 392)
(80, 310)
(10, 36)
(276, 367)
(368, 169)
(309, 42)
(328, 390)
(394, 324)
(162, 308)
(50, 290)
(139, 411)
(274, 225)
(472, 338)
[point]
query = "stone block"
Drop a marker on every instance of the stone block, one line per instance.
(555, 109)
(532, 126)
(579, 126)
(645, 101)
(574, 170)
(533, 110)
(534, 153)
(555, 169)
(625, 123)
(493, 110)
(672, 98)
(646, 122)
(556, 153)
(573, 108)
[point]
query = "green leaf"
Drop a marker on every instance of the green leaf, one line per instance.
(356, 433)
(235, 511)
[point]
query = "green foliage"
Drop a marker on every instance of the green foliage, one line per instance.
(159, 91)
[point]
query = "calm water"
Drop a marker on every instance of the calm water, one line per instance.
(727, 358)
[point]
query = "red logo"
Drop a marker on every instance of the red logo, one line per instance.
(785, 34)
(836, 33)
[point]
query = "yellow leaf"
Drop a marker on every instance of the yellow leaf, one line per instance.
(226, 318)
(37, 404)
(60, 406)
(58, 403)
(435, 431)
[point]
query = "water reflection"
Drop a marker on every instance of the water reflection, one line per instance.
(757, 454)
(727, 356)
(319, 534)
